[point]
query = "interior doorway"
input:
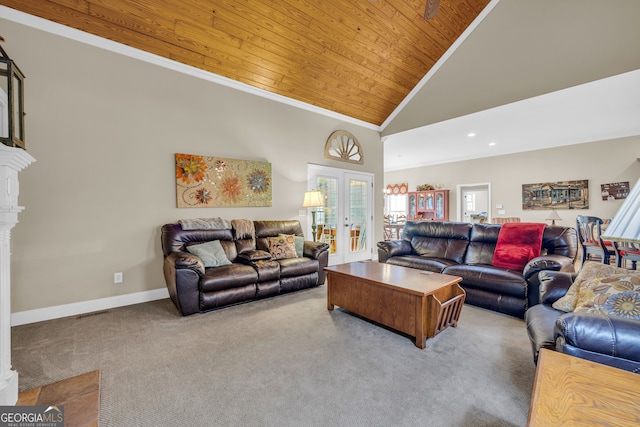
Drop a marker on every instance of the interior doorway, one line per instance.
(474, 202)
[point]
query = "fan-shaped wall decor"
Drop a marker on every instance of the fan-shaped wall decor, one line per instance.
(343, 146)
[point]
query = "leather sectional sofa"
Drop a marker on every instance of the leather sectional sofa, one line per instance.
(609, 340)
(467, 250)
(251, 271)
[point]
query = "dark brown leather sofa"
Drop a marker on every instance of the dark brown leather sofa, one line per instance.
(609, 340)
(251, 275)
(466, 250)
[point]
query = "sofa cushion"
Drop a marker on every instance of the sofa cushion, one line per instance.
(211, 253)
(282, 247)
(416, 261)
(266, 229)
(290, 267)
(175, 239)
(517, 244)
(482, 243)
(490, 278)
(227, 276)
(437, 239)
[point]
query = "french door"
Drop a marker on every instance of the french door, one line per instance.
(345, 221)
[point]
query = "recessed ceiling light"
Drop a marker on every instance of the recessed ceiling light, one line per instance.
(471, 134)
(491, 144)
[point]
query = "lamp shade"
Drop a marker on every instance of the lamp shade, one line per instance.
(553, 216)
(313, 199)
(625, 225)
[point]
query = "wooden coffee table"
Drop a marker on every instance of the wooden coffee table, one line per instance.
(416, 302)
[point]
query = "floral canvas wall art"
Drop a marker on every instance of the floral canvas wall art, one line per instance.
(216, 182)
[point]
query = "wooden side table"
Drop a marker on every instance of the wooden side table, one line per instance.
(570, 391)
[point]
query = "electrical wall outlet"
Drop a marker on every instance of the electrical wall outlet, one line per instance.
(118, 277)
(302, 212)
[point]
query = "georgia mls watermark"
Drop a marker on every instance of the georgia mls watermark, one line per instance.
(31, 416)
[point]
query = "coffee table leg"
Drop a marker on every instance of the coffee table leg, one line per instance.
(330, 305)
(421, 306)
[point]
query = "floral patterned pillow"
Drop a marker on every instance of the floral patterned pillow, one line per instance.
(590, 271)
(282, 247)
(616, 295)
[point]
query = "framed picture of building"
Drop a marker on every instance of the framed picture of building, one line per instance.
(556, 195)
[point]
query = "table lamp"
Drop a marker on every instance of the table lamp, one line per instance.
(553, 216)
(313, 199)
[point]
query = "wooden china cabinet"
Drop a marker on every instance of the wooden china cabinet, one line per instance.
(428, 205)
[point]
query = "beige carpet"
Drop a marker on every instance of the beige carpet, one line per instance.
(284, 361)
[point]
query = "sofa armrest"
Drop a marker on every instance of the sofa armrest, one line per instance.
(601, 338)
(554, 285)
(185, 260)
(538, 265)
(314, 249)
(391, 248)
(547, 262)
(182, 273)
(320, 252)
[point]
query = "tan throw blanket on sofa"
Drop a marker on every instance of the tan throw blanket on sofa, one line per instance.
(244, 228)
(205, 224)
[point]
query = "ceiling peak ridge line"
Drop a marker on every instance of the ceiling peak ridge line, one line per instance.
(131, 52)
(483, 14)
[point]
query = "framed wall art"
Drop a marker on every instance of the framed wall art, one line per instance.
(615, 190)
(556, 195)
(216, 182)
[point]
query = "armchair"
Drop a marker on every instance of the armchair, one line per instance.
(609, 340)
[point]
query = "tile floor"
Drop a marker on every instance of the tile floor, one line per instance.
(79, 395)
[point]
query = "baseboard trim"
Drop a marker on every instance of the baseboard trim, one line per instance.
(73, 309)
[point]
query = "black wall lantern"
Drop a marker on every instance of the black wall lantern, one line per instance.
(11, 102)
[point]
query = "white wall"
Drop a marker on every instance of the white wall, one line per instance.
(599, 162)
(104, 130)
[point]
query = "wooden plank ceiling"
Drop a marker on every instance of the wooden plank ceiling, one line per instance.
(359, 58)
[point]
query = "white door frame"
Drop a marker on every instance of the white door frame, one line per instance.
(461, 188)
(343, 254)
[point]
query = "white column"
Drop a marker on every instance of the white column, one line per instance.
(12, 161)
